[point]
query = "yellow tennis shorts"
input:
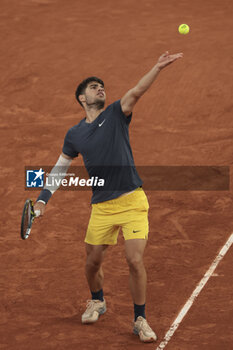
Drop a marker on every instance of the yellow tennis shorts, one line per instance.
(129, 212)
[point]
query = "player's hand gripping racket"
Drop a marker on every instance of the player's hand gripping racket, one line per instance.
(28, 217)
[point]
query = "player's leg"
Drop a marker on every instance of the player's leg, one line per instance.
(135, 230)
(94, 272)
(134, 249)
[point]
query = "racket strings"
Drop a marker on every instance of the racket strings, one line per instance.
(27, 220)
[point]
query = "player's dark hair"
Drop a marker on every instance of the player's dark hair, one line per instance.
(82, 86)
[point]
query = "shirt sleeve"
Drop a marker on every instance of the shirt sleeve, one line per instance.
(118, 109)
(68, 147)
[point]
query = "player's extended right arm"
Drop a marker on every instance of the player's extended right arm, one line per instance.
(61, 167)
(129, 100)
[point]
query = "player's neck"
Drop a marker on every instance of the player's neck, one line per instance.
(92, 114)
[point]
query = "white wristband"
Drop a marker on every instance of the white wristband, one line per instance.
(40, 200)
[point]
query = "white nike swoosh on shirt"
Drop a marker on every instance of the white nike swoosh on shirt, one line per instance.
(102, 123)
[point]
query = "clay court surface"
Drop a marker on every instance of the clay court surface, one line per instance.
(48, 47)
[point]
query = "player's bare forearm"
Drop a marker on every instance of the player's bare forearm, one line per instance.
(146, 81)
(163, 61)
(129, 100)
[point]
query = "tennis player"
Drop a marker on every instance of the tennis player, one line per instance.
(102, 139)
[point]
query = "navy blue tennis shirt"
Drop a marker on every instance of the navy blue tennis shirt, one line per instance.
(105, 147)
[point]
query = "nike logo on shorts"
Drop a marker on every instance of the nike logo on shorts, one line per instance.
(101, 123)
(136, 231)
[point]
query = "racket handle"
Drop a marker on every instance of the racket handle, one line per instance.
(37, 213)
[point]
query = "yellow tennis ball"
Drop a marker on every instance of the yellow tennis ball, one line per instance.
(183, 29)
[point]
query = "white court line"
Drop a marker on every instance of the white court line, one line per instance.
(195, 294)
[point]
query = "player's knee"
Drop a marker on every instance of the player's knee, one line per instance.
(93, 262)
(135, 263)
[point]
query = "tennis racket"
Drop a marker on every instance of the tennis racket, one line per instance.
(28, 217)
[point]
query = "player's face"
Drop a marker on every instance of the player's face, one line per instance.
(95, 94)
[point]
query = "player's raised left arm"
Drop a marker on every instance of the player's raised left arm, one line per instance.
(129, 100)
